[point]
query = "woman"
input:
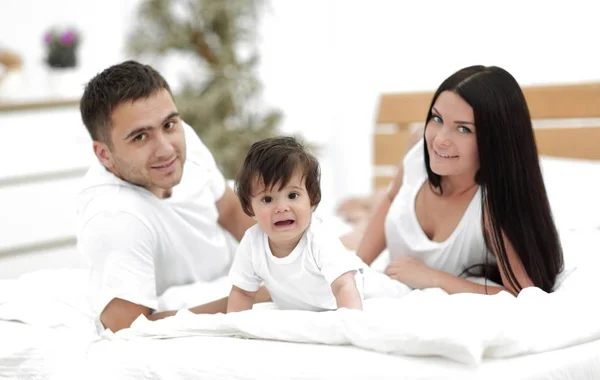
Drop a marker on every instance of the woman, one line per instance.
(469, 198)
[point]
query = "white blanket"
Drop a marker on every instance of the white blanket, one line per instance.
(463, 327)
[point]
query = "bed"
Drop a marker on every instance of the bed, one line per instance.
(48, 332)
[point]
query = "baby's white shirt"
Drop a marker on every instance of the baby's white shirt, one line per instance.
(300, 281)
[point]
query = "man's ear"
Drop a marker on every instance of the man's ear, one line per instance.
(103, 153)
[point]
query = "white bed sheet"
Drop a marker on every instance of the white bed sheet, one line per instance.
(58, 341)
(233, 358)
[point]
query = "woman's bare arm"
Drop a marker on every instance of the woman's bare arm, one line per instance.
(373, 240)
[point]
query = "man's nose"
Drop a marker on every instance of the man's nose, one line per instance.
(164, 148)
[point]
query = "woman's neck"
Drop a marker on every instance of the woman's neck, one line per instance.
(455, 186)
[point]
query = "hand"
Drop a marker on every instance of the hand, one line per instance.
(412, 273)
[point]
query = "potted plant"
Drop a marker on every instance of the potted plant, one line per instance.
(61, 47)
(61, 60)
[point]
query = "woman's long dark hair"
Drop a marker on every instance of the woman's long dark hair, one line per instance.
(514, 199)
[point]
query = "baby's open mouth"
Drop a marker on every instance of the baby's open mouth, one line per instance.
(283, 223)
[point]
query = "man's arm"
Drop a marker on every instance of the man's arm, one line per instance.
(120, 314)
(231, 215)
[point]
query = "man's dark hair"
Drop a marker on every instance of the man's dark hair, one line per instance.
(273, 161)
(127, 81)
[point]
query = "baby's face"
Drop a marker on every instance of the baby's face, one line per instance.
(283, 214)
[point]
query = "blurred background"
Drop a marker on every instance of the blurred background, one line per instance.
(243, 70)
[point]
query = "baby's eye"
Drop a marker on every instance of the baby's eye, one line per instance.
(293, 195)
(267, 199)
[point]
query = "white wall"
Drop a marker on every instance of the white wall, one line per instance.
(103, 25)
(324, 62)
(371, 46)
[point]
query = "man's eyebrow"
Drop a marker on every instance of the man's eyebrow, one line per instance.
(137, 131)
(456, 121)
(145, 128)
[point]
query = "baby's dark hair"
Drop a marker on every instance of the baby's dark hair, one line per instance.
(272, 162)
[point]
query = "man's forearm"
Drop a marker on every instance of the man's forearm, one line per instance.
(214, 307)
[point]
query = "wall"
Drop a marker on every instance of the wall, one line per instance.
(324, 62)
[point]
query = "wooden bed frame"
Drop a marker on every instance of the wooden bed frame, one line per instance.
(566, 120)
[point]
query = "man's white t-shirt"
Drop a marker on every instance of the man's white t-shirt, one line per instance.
(138, 245)
(302, 280)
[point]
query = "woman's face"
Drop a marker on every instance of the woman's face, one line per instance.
(450, 137)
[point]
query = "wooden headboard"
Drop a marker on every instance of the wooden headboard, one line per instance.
(566, 121)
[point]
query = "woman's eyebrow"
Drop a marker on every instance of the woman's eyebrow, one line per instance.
(456, 121)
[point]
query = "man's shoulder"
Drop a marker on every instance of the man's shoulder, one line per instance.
(112, 201)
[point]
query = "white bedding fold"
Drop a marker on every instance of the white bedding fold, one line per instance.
(462, 327)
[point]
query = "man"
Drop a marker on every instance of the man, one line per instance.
(154, 210)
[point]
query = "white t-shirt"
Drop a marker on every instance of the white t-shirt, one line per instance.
(138, 245)
(405, 237)
(300, 281)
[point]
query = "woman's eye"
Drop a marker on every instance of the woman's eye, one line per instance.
(267, 199)
(463, 129)
(293, 195)
(437, 119)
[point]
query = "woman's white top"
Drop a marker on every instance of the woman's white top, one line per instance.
(405, 237)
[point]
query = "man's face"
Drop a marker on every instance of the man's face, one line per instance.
(148, 144)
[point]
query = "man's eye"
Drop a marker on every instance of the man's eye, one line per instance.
(170, 125)
(293, 195)
(140, 137)
(267, 199)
